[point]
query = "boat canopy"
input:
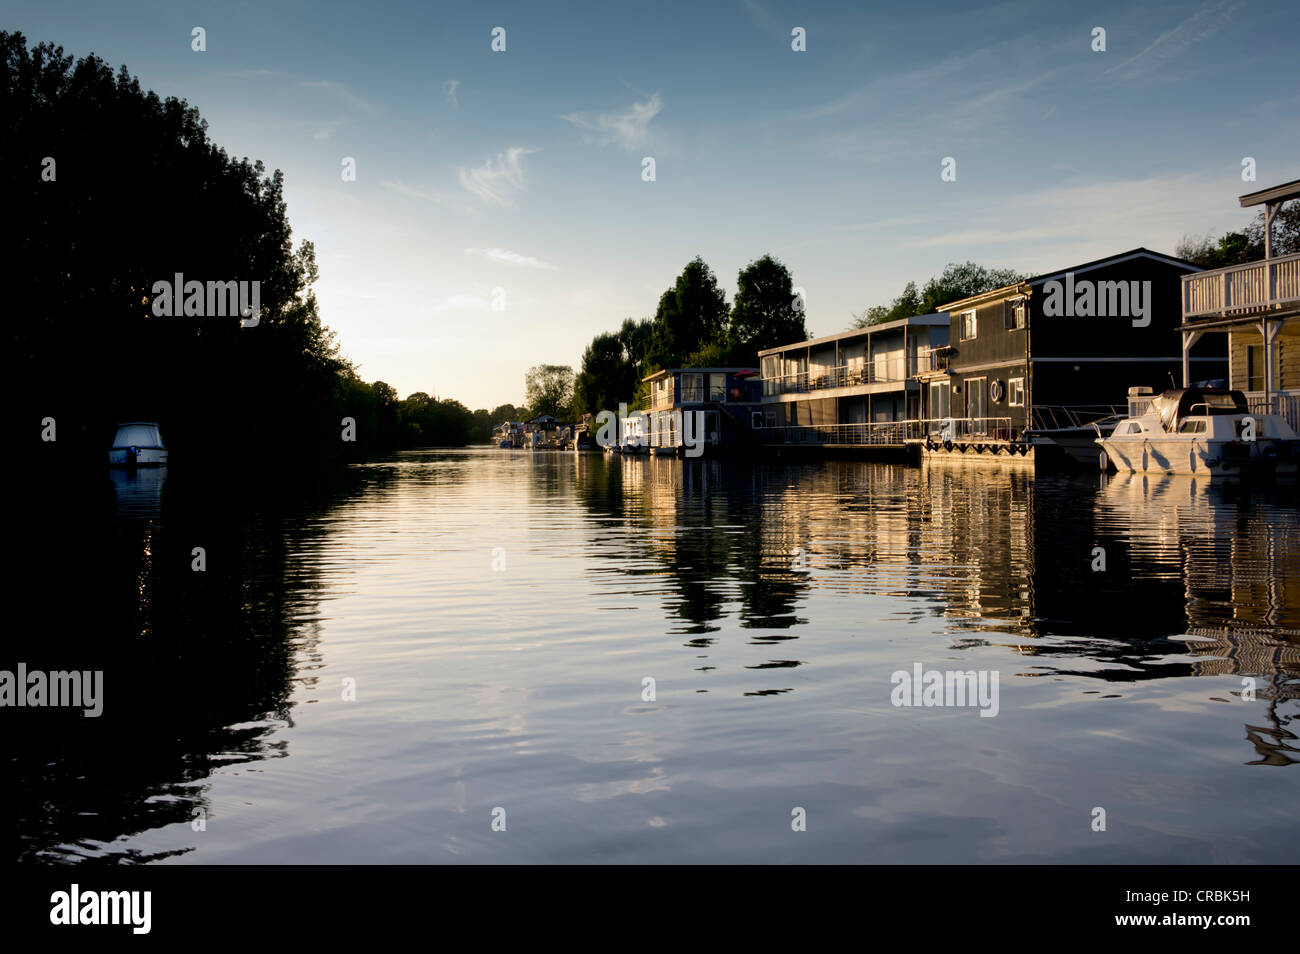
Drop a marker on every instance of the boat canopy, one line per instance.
(1176, 404)
(138, 434)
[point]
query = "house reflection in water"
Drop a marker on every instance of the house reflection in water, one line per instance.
(1118, 581)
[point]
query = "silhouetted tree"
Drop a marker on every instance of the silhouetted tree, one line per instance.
(766, 312)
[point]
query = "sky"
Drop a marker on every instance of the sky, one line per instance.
(500, 217)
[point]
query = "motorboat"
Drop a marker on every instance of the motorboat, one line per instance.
(1199, 431)
(138, 444)
(1070, 434)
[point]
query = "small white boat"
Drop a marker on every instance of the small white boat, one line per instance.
(138, 444)
(1199, 431)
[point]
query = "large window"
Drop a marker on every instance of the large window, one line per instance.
(692, 388)
(717, 387)
(967, 325)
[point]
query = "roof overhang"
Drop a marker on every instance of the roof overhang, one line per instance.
(934, 319)
(1018, 290)
(1279, 193)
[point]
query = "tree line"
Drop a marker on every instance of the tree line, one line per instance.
(693, 326)
(112, 188)
(958, 281)
(1246, 245)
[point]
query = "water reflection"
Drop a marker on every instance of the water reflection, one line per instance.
(1194, 578)
(198, 666)
(771, 599)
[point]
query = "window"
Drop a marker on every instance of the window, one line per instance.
(1013, 314)
(1255, 367)
(1134, 427)
(717, 387)
(1193, 426)
(1016, 392)
(967, 325)
(692, 388)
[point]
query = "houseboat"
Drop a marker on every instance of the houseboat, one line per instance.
(852, 392)
(1032, 367)
(138, 444)
(509, 434)
(1199, 431)
(1257, 306)
(700, 411)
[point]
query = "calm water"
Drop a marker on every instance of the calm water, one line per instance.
(770, 603)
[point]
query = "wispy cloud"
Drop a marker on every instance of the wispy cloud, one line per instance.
(348, 97)
(498, 179)
(321, 130)
(425, 194)
(450, 87)
(1202, 24)
(510, 258)
(1079, 220)
(629, 128)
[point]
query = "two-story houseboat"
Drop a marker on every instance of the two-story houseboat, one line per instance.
(1054, 354)
(1257, 305)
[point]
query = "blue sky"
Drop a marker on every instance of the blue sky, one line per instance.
(521, 170)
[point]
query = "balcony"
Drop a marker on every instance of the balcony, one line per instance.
(889, 371)
(929, 360)
(1256, 288)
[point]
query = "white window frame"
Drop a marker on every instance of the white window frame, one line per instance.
(961, 325)
(1014, 307)
(1015, 392)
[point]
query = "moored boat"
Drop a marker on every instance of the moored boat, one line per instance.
(1200, 431)
(137, 444)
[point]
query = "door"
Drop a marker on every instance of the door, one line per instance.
(975, 402)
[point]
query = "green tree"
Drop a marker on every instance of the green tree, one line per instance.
(1237, 248)
(611, 367)
(766, 312)
(548, 389)
(506, 412)
(606, 376)
(83, 343)
(958, 281)
(691, 313)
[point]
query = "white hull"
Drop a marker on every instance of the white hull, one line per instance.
(138, 444)
(144, 457)
(1203, 458)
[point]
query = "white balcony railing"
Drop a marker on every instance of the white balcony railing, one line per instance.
(1285, 405)
(931, 359)
(891, 370)
(1243, 289)
(894, 432)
